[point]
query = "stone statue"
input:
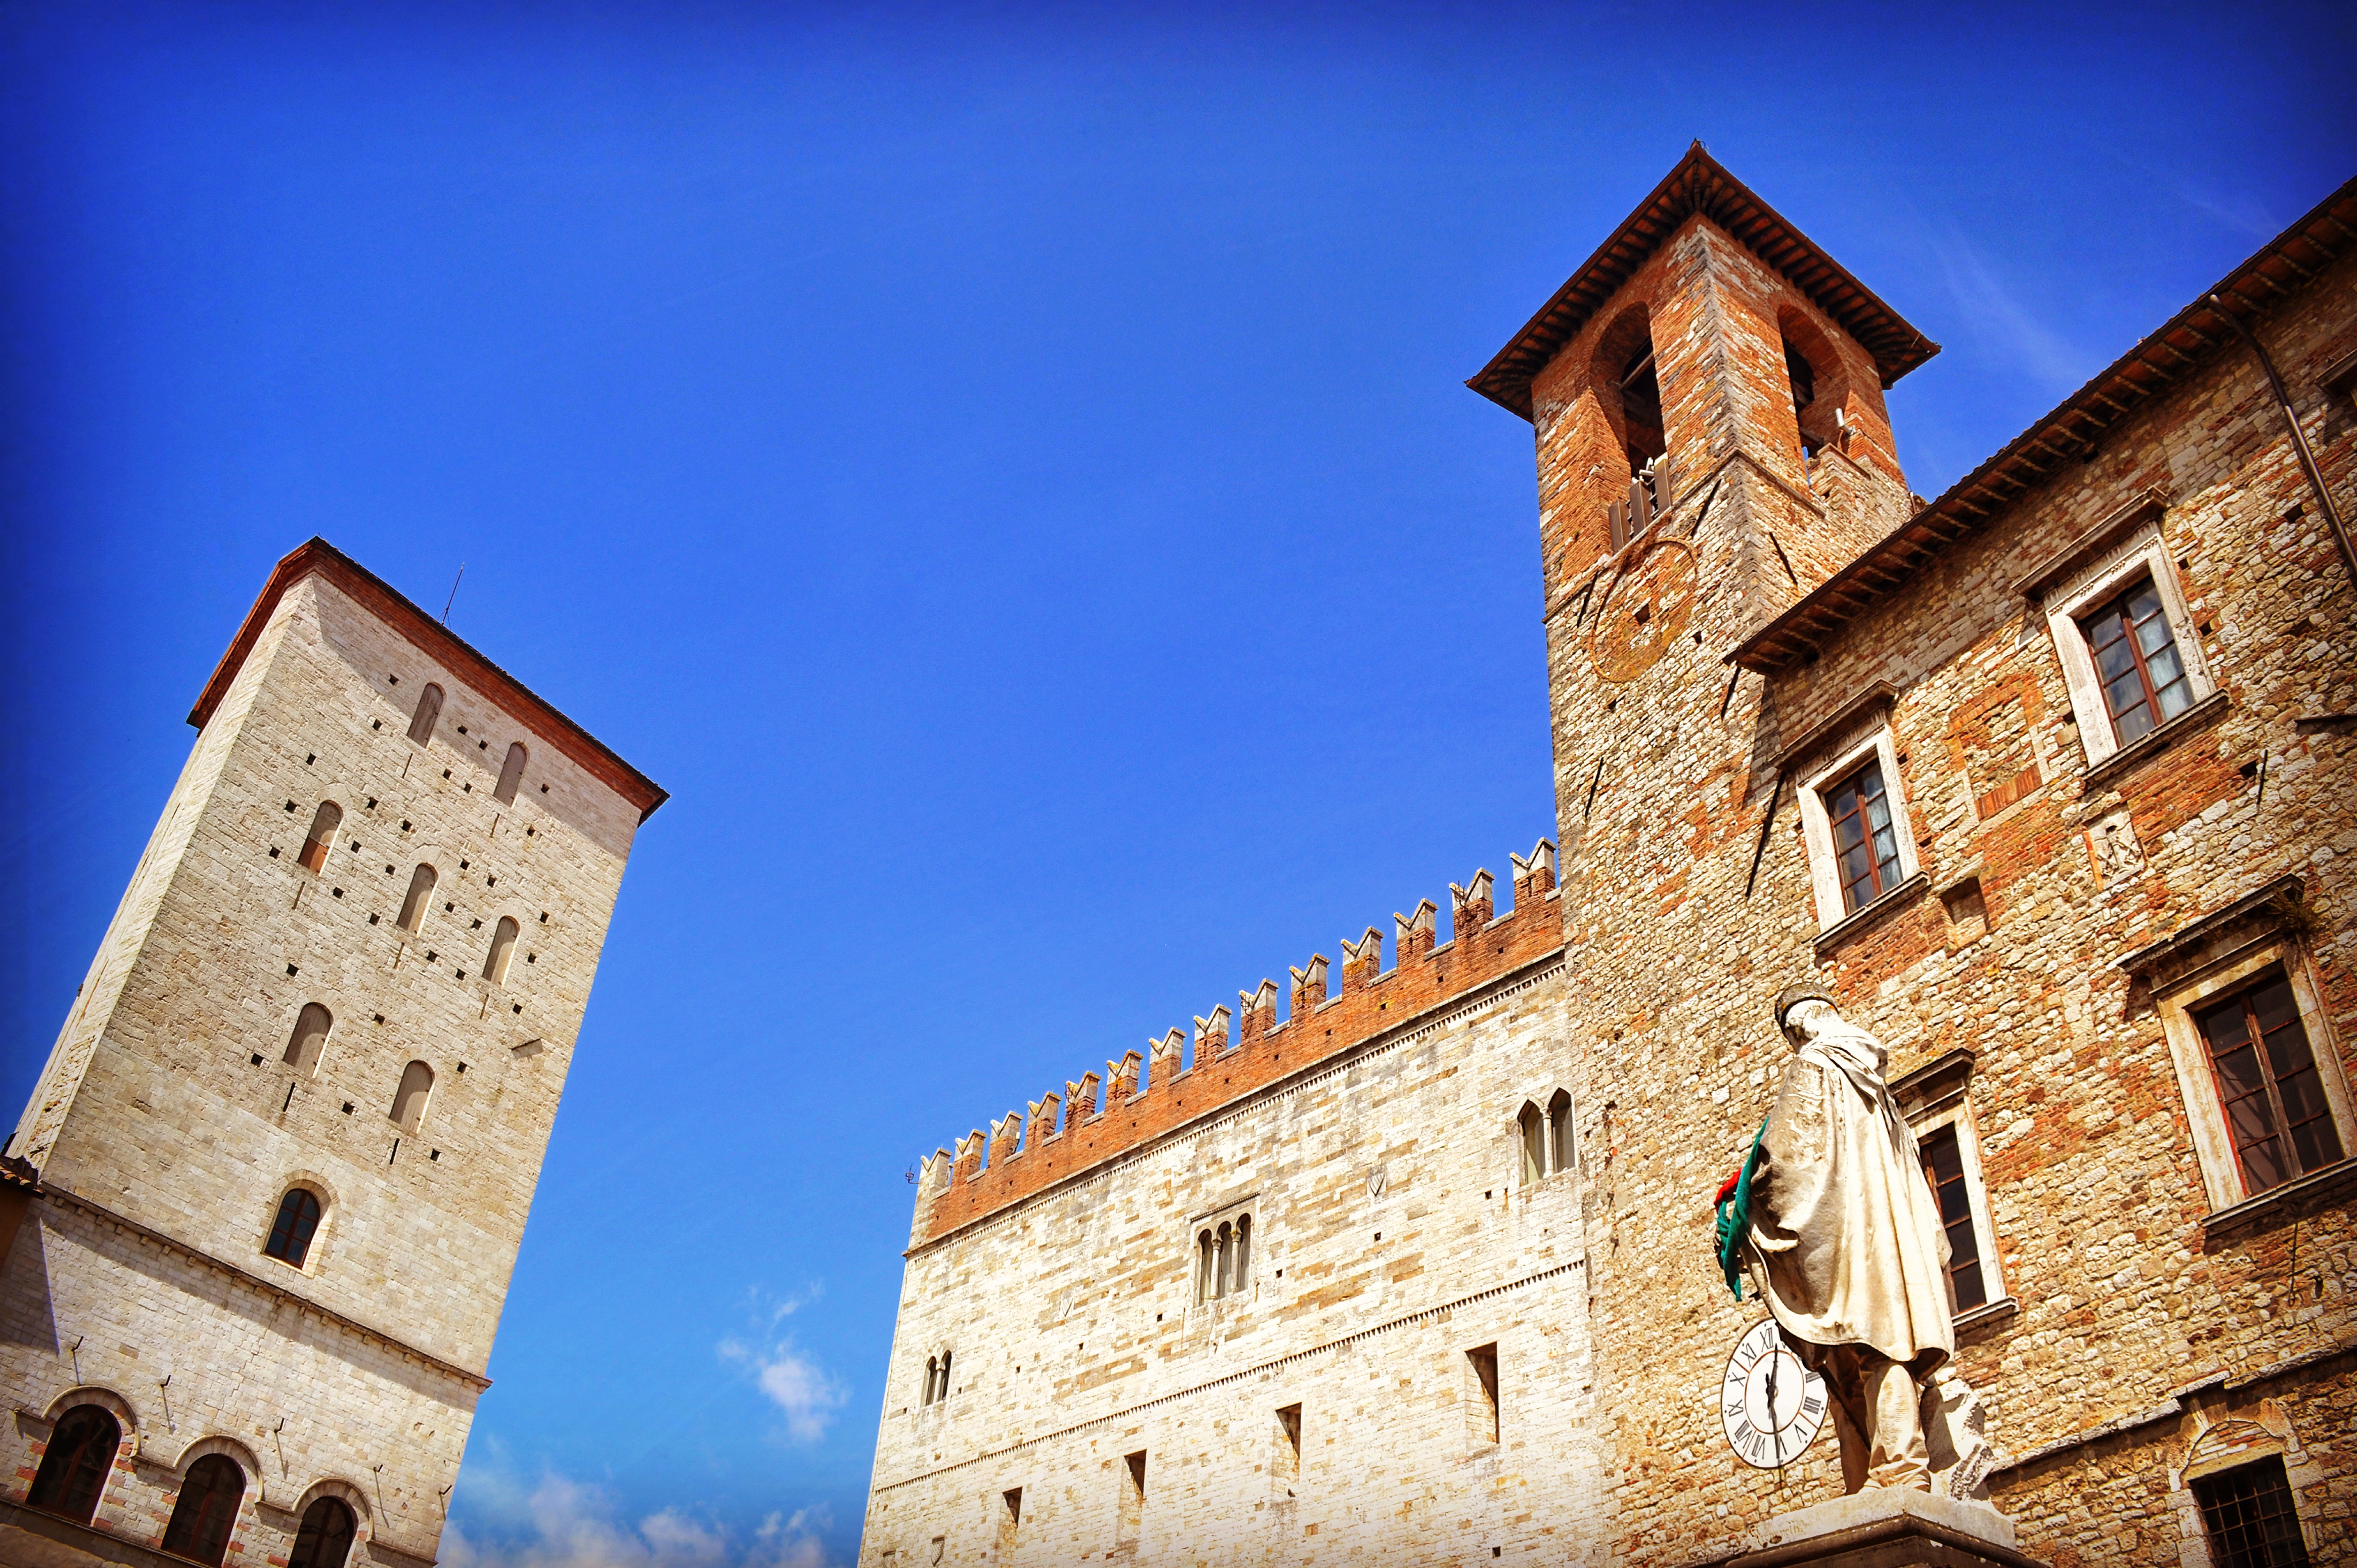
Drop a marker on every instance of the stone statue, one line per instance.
(1843, 1239)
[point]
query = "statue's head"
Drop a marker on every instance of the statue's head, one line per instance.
(1800, 1009)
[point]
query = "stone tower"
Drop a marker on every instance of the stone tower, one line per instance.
(287, 1138)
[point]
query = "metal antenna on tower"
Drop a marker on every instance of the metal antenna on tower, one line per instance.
(454, 593)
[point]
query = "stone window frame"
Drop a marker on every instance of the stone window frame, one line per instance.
(2224, 1441)
(2099, 564)
(1247, 1210)
(2209, 958)
(1858, 733)
(315, 1257)
(1935, 1096)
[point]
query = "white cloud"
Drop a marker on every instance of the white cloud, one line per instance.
(558, 1522)
(806, 1394)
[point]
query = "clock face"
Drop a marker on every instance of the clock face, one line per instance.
(1770, 1404)
(1644, 612)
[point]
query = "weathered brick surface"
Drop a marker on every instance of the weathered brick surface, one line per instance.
(168, 1127)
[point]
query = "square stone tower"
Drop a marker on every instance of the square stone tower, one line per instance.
(287, 1138)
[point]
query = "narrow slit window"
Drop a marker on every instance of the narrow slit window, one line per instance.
(206, 1510)
(503, 937)
(321, 838)
(421, 893)
(933, 1371)
(429, 709)
(1132, 1494)
(1241, 1270)
(1533, 1142)
(2137, 662)
(1483, 1363)
(325, 1540)
(1865, 844)
(409, 1100)
(2269, 1089)
(291, 1231)
(1944, 1167)
(1222, 1243)
(74, 1468)
(309, 1040)
(1288, 1442)
(944, 1392)
(1204, 1253)
(1559, 1132)
(511, 775)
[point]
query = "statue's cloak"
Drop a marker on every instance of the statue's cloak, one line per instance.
(1845, 1239)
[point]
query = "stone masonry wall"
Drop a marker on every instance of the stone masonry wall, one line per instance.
(1393, 1233)
(2121, 1290)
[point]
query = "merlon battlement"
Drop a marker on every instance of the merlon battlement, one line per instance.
(1233, 1054)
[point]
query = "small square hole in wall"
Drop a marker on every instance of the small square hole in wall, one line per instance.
(274, 853)
(388, 871)
(356, 847)
(491, 882)
(339, 892)
(543, 917)
(310, 760)
(290, 969)
(430, 956)
(446, 773)
(433, 1154)
(543, 789)
(348, 1108)
(475, 927)
(378, 1016)
(467, 789)
(459, 973)
(290, 805)
(371, 919)
(532, 958)
(482, 745)
(462, 1067)
(519, 1007)
(463, 864)
(449, 907)
(371, 805)
(462, 729)
(527, 832)
(405, 827)
(392, 680)
(257, 1059)
(376, 724)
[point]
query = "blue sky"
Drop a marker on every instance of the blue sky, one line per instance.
(1004, 469)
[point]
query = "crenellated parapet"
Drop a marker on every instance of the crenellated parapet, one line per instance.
(1231, 1055)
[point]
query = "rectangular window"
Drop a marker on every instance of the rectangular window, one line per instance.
(2248, 1514)
(2143, 676)
(2268, 1086)
(1010, 1515)
(1865, 844)
(1132, 1497)
(1944, 1167)
(1483, 1362)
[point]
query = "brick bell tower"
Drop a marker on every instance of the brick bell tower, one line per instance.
(1705, 393)
(287, 1138)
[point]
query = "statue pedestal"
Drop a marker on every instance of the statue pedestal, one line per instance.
(1879, 1529)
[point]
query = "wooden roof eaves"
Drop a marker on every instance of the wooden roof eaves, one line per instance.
(1783, 639)
(1697, 185)
(317, 557)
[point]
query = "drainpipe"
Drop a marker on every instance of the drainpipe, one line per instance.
(2299, 440)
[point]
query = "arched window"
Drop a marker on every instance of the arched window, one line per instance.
(1533, 1128)
(943, 1392)
(409, 1100)
(75, 1466)
(1240, 1268)
(429, 708)
(207, 1508)
(326, 1537)
(421, 889)
(933, 1371)
(291, 1233)
(503, 936)
(1224, 1252)
(510, 774)
(1203, 1255)
(1559, 1132)
(322, 836)
(309, 1039)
